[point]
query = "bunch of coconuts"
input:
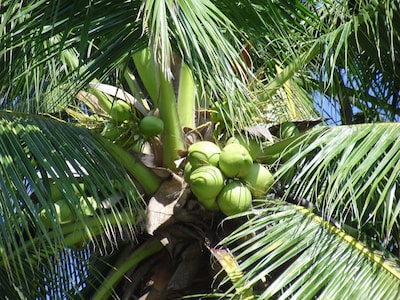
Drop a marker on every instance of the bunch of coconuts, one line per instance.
(227, 179)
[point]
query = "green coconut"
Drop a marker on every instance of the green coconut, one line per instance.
(206, 182)
(288, 129)
(258, 180)
(234, 198)
(55, 192)
(151, 126)
(203, 153)
(88, 205)
(250, 144)
(63, 214)
(120, 111)
(235, 161)
(187, 171)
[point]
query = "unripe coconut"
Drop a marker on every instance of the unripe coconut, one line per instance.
(120, 111)
(63, 214)
(203, 153)
(258, 180)
(210, 204)
(206, 182)
(88, 205)
(235, 161)
(151, 126)
(288, 129)
(187, 171)
(234, 198)
(250, 144)
(55, 192)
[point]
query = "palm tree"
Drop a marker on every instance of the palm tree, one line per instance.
(93, 202)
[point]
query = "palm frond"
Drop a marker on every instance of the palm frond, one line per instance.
(359, 64)
(66, 44)
(351, 173)
(210, 44)
(288, 252)
(37, 155)
(287, 45)
(348, 47)
(104, 40)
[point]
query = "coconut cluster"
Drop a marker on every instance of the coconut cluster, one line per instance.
(225, 179)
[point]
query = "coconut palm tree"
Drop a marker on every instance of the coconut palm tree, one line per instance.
(102, 100)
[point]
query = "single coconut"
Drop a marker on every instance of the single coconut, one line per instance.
(203, 153)
(258, 180)
(250, 144)
(88, 205)
(151, 126)
(234, 198)
(187, 171)
(288, 129)
(235, 161)
(120, 111)
(206, 182)
(63, 214)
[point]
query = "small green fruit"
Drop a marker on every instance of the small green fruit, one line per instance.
(187, 171)
(151, 126)
(120, 111)
(234, 198)
(203, 153)
(250, 144)
(55, 192)
(259, 180)
(235, 161)
(63, 214)
(206, 182)
(88, 205)
(288, 129)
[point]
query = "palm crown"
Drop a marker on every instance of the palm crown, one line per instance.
(83, 175)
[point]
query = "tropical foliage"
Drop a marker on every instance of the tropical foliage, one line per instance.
(101, 100)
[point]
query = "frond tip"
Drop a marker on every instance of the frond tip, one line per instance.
(294, 253)
(352, 174)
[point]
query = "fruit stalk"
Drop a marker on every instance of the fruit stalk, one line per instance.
(172, 136)
(186, 96)
(144, 251)
(146, 178)
(161, 91)
(146, 66)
